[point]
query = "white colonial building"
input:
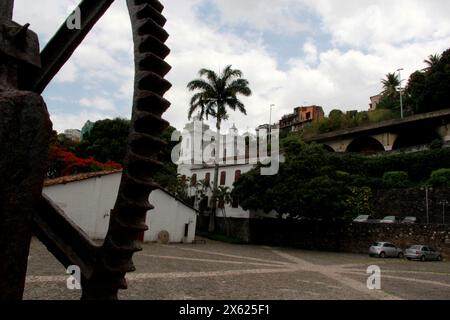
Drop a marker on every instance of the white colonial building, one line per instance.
(238, 155)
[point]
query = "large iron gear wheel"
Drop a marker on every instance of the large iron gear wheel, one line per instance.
(103, 267)
(129, 214)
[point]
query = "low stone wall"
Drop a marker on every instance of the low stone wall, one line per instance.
(331, 236)
(351, 237)
(237, 228)
(411, 202)
(357, 237)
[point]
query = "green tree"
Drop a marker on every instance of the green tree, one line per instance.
(440, 178)
(107, 140)
(223, 197)
(415, 92)
(396, 179)
(214, 95)
(167, 175)
(336, 113)
(390, 98)
(358, 203)
(316, 184)
(306, 186)
(432, 62)
(428, 90)
(390, 84)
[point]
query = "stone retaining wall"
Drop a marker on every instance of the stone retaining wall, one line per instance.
(332, 236)
(411, 202)
(351, 237)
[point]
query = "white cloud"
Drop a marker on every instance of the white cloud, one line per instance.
(369, 23)
(63, 121)
(368, 39)
(68, 73)
(276, 16)
(98, 103)
(310, 51)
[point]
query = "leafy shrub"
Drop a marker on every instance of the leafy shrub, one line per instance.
(358, 203)
(440, 178)
(396, 179)
(436, 144)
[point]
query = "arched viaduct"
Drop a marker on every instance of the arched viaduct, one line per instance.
(413, 132)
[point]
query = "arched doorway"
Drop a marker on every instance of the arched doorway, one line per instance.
(416, 138)
(328, 148)
(366, 145)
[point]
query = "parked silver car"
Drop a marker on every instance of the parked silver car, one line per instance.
(389, 220)
(385, 250)
(423, 253)
(409, 220)
(362, 219)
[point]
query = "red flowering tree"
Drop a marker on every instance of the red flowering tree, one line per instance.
(63, 162)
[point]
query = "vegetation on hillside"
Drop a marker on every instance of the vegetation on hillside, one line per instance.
(62, 160)
(314, 183)
(427, 90)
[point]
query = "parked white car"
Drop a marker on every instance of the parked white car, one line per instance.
(385, 250)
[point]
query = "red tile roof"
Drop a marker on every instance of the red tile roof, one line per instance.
(79, 177)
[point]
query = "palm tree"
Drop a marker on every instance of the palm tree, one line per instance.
(390, 84)
(214, 93)
(223, 196)
(203, 188)
(432, 61)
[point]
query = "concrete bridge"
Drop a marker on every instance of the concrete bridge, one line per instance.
(392, 135)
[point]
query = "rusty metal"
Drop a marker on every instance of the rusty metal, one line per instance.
(129, 214)
(6, 9)
(19, 48)
(63, 238)
(25, 130)
(103, 267)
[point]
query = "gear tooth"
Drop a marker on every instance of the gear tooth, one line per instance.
(129, 215)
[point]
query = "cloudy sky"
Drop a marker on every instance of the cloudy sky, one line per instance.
(331, 53)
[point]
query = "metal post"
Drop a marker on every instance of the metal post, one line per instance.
(401, 93)
(444, 204)
(401, 103)
(428, 209)
(270, 121)
(443, 213)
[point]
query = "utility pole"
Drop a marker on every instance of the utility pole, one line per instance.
(400, 89)
(444, 204)
(270, 121)
(427, 189)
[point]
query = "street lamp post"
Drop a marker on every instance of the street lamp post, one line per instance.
(427, 205)
(444, 204)
(270, 121)
(400, 89)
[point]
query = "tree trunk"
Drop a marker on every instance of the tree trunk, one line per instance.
(212, 217)
(227, 223)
